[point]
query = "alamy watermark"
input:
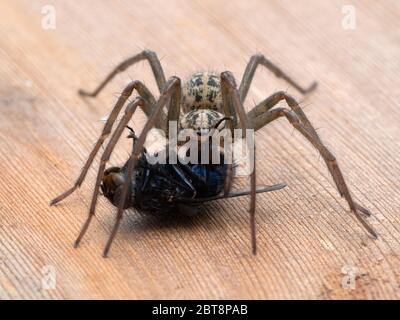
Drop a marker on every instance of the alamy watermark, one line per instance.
(49, 277)
(350, 275)
(211, 147)
(349, 21)
(49, 17)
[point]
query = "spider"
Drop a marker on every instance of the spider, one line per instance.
(201, 103)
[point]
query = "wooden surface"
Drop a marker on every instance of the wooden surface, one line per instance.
(307, 237)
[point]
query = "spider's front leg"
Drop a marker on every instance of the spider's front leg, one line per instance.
(171, 95)
(233, 106)
(171, 92)
(263, 114)
(126, 93)
(130, 109)
(147, 109)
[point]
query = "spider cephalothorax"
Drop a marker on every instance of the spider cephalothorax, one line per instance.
(202, 120)
(204, 102)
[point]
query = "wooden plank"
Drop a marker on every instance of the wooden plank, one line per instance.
(307, 239)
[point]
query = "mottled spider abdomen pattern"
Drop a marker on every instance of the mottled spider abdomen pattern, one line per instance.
(202, 91)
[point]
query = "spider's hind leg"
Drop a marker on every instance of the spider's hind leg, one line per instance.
(260, 59)
(148, 55)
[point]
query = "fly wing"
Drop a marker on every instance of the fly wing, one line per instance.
(233, 194)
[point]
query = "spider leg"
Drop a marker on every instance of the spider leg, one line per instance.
(259, 59)
(126, 93)
(259, 117)
(259, 111)
(148, 55)
(229, 112)
(329, 158)
(171, 92)
(130, 109)
(231, 101)
(148, 107)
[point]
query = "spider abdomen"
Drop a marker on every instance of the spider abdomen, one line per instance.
(202, 91)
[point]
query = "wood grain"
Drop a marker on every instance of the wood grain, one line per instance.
(306, 235)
